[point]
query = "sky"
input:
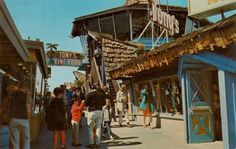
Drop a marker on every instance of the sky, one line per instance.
(51, 22)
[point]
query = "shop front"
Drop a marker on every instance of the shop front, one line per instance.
(206, 72)
(208, 82)
(12, 52)
(37, 61)
(166, 94)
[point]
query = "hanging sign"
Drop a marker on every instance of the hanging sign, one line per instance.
(205, 8)
(164, 19)
(64, 58)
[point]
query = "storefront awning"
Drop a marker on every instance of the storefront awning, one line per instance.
(201, 59)
(12, 48)
(217, 36)
(37, 47)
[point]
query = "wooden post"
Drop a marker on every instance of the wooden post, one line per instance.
(99, 26)
(227, 88)
(184, 102)
(114, 26)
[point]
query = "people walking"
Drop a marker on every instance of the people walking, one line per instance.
(106, 117)
(94, 101)
(76, 112)
(147, 104)
(57, 122)
(122, 104)
(5, 104)
(46, 102)
(109, 96)
(20, 113)
(67, 97)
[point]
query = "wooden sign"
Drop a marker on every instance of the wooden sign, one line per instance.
(205, 8)
(64, 58)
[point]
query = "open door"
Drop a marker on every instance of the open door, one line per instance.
(198, 109)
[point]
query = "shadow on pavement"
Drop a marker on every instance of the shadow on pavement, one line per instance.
(122, 143)
(124, 138)
(119, 141)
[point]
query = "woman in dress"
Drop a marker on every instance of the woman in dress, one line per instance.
(146, 104)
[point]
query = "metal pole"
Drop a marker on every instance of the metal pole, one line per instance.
(99, 26)
(153, 35)
(114, 26)
(222, 14)
(131, 26)
(160, 36)
(144, 30)
(167, 36)
(167, 8)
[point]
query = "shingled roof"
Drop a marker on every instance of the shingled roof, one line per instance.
(115, 51)
(220, 34)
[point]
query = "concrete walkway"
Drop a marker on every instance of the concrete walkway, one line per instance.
(170, 136)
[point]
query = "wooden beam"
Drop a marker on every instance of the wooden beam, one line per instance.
(114, 26)
(10, 61)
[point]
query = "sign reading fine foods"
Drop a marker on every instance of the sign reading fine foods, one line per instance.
(62, 58)
(164, 19)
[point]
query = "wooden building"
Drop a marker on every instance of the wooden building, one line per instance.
(12, 50)
(126, 23)
(22, 62)
(205, 62)
(40, 74)
(106, 54)
(105, 32)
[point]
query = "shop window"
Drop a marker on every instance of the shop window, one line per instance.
(197, 89)
(37, 91)
(168, 97)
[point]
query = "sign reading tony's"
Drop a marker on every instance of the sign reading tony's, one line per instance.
(164, 19)
(64, 58)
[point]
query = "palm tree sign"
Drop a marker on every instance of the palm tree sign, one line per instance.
(51, 46)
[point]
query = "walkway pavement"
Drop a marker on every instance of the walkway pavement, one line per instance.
(170, 136)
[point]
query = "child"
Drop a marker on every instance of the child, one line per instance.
(57, 118)
(76, 112)
(106, 117)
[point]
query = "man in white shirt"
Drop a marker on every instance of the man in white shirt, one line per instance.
(122, 104)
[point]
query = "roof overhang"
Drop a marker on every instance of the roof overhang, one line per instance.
(212, 59)
(38, 48)
(219, 35)
(78, 23)
(13, 49)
